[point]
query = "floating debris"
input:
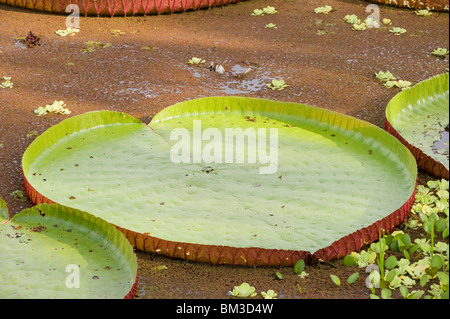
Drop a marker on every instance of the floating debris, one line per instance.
(32, 40)
(68, 31)
(91, 46)
(116, 32)
(216, 68)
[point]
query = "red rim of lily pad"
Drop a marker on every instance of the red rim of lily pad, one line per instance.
(436, 5)
(62, 215)
(424, 161)
(256, 256)
(119, 7)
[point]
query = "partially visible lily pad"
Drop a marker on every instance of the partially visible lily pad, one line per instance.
(419, 117)
(53, 251)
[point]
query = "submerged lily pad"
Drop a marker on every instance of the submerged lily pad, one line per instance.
(419, 117)
(52, 251)
(321, 188)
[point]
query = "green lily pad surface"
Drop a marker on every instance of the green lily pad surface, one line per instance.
(420, 117)
(324, 176)
(52, 251)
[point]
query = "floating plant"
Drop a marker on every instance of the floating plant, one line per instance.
(423, 12)
(269, 10)
(7, 84)
(271, 26)
(52, 251)
(352, 19)
(359, 26)
(324, 10)
(257, 12)
(195, 60)
(277, 85)
(385, 76)
(419, 118)
(235, 211)
(66, 32)
(243, 291)
(397, 30)
(440, 52)
(57, 107)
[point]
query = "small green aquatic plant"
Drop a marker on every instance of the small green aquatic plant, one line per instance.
(66, 32)
(195, 60)
(323, 10)
(440, 52)
(371, 22)
(243, 291)
(271, 26)
(425, 261)
(352, 19)
(359, 26)
(57, 107)
(257, 12)
(387, 21)
(116, 32)
(264, 11)
(402, 84)
(269, 10)
(397, 30)
(270, 294)
(336, 280)
(423, 13)
(91, 46)
(7, 84)
(277, 85)
(385, 76)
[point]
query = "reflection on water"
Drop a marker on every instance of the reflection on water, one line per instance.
(442, 146)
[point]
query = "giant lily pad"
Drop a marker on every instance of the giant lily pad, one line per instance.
(52, 251)
(419, 118)
(435, 5)
(325, 189)
(118, 7)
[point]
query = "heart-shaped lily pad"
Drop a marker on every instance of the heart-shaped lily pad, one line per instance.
(419, 118)
(292, 180)
(52, 251)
